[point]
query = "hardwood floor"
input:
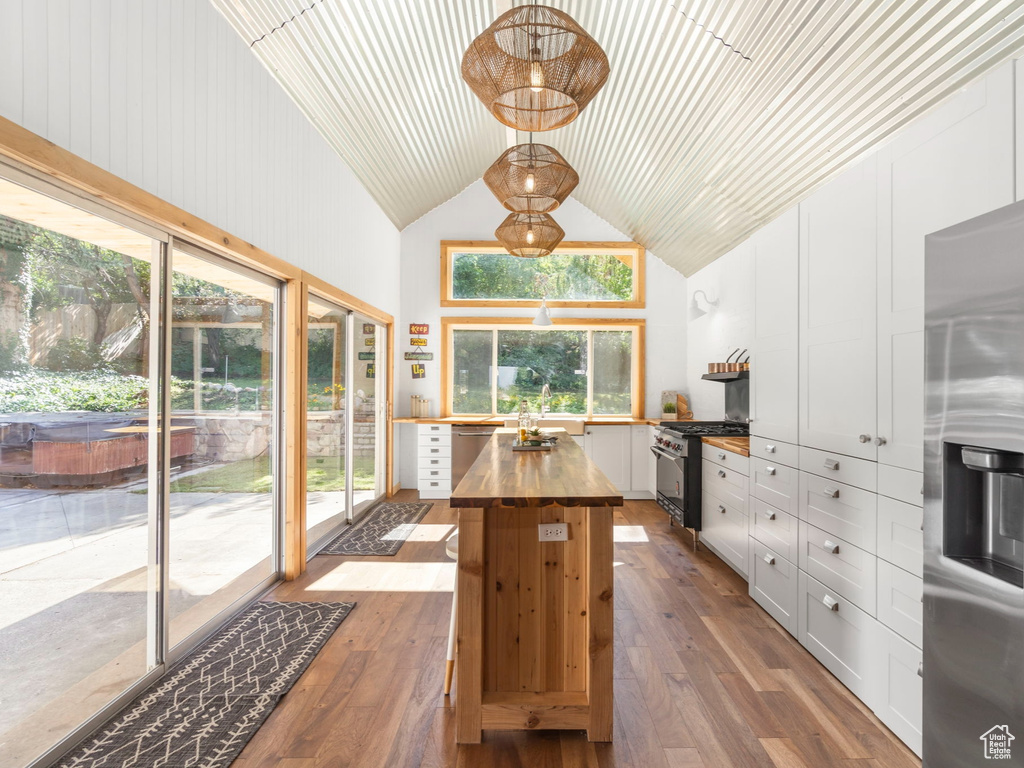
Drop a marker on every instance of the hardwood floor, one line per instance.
(703, 677)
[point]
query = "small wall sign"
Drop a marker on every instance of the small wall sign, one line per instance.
(367, 329)
(418, 371)
(419, 329)
(371, 369)
(417, 355)
(367, 355)
(418, 342)
(370, 341)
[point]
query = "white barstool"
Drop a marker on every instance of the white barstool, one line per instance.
(451, 548)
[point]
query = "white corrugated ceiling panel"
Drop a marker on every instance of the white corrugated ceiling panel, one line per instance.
(718, 115)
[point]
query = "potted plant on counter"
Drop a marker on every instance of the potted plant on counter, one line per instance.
(668, 411)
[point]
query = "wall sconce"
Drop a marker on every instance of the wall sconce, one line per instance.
(695, 309)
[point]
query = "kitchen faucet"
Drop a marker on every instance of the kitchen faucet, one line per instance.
(545, 393)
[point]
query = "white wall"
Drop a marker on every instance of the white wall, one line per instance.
(164, 94)
(474, 215)
(729, 326)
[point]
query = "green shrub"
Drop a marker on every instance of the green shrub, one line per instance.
(43, 391)
(75, 354)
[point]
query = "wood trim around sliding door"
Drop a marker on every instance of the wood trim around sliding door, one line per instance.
(25, 151)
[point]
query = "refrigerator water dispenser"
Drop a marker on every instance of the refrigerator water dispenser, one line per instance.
(983, 510)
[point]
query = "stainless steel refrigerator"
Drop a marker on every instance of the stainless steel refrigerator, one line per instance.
(974, 493)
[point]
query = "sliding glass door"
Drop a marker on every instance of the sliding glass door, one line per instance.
(224, 439)
(327, 366)
(369, 414)
(79, 477)
(346, 356)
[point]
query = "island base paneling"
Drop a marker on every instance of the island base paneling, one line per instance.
(534, 626)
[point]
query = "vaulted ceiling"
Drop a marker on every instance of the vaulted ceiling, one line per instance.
(718, 115)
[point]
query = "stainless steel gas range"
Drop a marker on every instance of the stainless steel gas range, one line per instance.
(677, 447)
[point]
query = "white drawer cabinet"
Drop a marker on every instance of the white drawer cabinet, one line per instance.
(434, 439)
(775, 451)
(843, 469)
(724, 530)
(900, 604)
(776, 484)
(734, 462)
(434, 460)
(840, 566)
(774, 584)
(849, 513)
(839, 635)
(727, 484)
(775, 529)
(899, 690)
(903, 484)
(900, 537)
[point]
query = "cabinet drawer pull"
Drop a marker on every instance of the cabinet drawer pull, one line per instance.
(769, 471)
(721, 509)
(769, 449)
(721, 455)
(828, 546)
(770, 515)
(920, 669)
(434, 461)
(769, 559)
(434, 473)
(721, 473)
(435, 450)
(830, 602)
(832, 464)
(832, 493)
(434, 485)
(865, 438)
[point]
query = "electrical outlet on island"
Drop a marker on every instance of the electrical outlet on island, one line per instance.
(554, 531)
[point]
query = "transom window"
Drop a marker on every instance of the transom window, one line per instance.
(590, 367)
(483, 274)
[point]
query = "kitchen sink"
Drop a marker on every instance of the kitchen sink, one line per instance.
(570, 425)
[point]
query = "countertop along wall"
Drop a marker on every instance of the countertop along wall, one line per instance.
(474, 215)
(164, 94)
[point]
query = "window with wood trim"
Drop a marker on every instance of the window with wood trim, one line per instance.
(590, 367)
(578, 274)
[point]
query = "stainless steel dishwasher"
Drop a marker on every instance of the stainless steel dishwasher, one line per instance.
(468, 440)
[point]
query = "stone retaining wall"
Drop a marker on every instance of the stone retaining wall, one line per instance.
(233, 437)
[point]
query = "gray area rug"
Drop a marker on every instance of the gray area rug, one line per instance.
(202, 713)
(381, 531)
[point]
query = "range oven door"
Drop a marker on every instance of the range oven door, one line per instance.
(671, 483)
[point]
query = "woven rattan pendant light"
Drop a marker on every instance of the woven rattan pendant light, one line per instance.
(535, 68)
(529, 235)
(531, 178)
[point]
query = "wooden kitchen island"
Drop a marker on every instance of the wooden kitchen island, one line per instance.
(534, 624)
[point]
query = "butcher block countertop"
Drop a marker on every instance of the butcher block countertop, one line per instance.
(740, 445)
(562, 477)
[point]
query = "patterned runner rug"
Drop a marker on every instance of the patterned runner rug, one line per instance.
(202, 713)
(381, 531)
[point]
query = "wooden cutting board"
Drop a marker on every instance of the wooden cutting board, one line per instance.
(683, 412)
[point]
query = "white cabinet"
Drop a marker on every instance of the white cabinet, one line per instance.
(725, 494)
(724, 530)
(773, 369)
(837, 314)
(774, 584)
(840, 636)
(609, 447)
(952, 165)
(641, 459)
(898, 687)
(434, 460)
